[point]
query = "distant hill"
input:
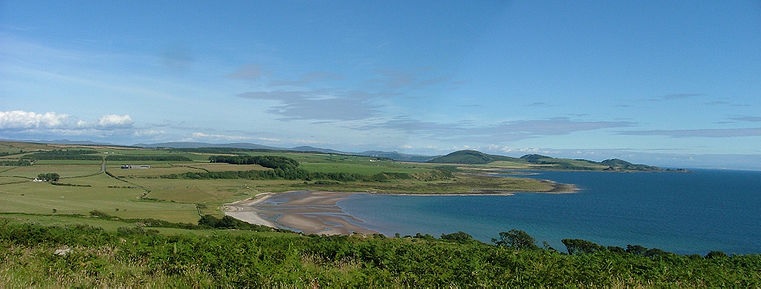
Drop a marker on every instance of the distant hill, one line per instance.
(622, 165)
(195, 145)
(535, 161)
(397, 156)
(316, 149)
(541, 161)
(378, 154)
(470, 157)
(582, 164)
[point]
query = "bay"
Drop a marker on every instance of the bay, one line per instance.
(686, 213)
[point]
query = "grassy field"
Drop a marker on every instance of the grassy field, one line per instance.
(146, 193)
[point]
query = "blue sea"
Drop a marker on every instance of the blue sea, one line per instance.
(686, 213)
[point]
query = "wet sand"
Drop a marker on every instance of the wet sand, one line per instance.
(303, 211)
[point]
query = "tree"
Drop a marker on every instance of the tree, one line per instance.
(516, 239)
(49, 177)
(459, 237)
(716, 255)
(578, 246)
(208, 220)
(636, 249)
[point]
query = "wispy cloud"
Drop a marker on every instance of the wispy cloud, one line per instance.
(674, 96)
(308, 78)
(177, 58)
(319, 104)
(726, 103)
(207, 136)
(248, 72)
(212, 135)
(747, 118)
(402, 79)
(709, 132)
(504, 131)
(539, 104)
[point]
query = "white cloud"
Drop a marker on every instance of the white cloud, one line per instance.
(17, 119)
(115, 121)
(706, 132)
(201, 135)
(148, 132)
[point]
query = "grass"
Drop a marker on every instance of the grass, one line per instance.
(98, 192)
(366, 168)
(78, 169)
(142, 193)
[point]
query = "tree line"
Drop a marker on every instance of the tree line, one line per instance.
(282, 168)
(272, 162)
(290, 173)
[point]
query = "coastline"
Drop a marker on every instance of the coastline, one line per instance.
(309, 212)
(243, 210)
(317, 212)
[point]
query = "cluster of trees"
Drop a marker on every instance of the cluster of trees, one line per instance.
(227, 222)
(156, 158)
(243, 259)
(291, 173)
(49, 177)
(87, 155)
(17, 163)
(272, 162)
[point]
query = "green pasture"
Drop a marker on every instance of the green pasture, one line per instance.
(144, 193)
(367, 167)
(82, 195)
(156, 170)
(18, 147)
(199, 191)
(220, 167)
(65, 170)
(153, 152)
(507, 165)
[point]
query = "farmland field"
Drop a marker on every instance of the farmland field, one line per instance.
(155, 183)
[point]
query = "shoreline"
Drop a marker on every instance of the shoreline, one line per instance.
(308, 212)
(317, 212)
(243, 210)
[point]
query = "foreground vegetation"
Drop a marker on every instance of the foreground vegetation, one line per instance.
(133, 256)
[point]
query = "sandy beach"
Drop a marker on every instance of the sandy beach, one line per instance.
(310, 212)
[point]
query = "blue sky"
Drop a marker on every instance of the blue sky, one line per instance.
(664, 82)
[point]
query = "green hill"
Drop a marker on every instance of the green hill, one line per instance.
(618, 165)
(470, 157)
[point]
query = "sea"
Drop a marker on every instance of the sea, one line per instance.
(691, 212)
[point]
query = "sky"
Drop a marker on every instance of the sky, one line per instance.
(674, 83)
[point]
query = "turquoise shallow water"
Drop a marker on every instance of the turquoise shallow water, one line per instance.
(686, 213)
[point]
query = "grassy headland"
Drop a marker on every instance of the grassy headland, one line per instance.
(180, 185)
(134, 217)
